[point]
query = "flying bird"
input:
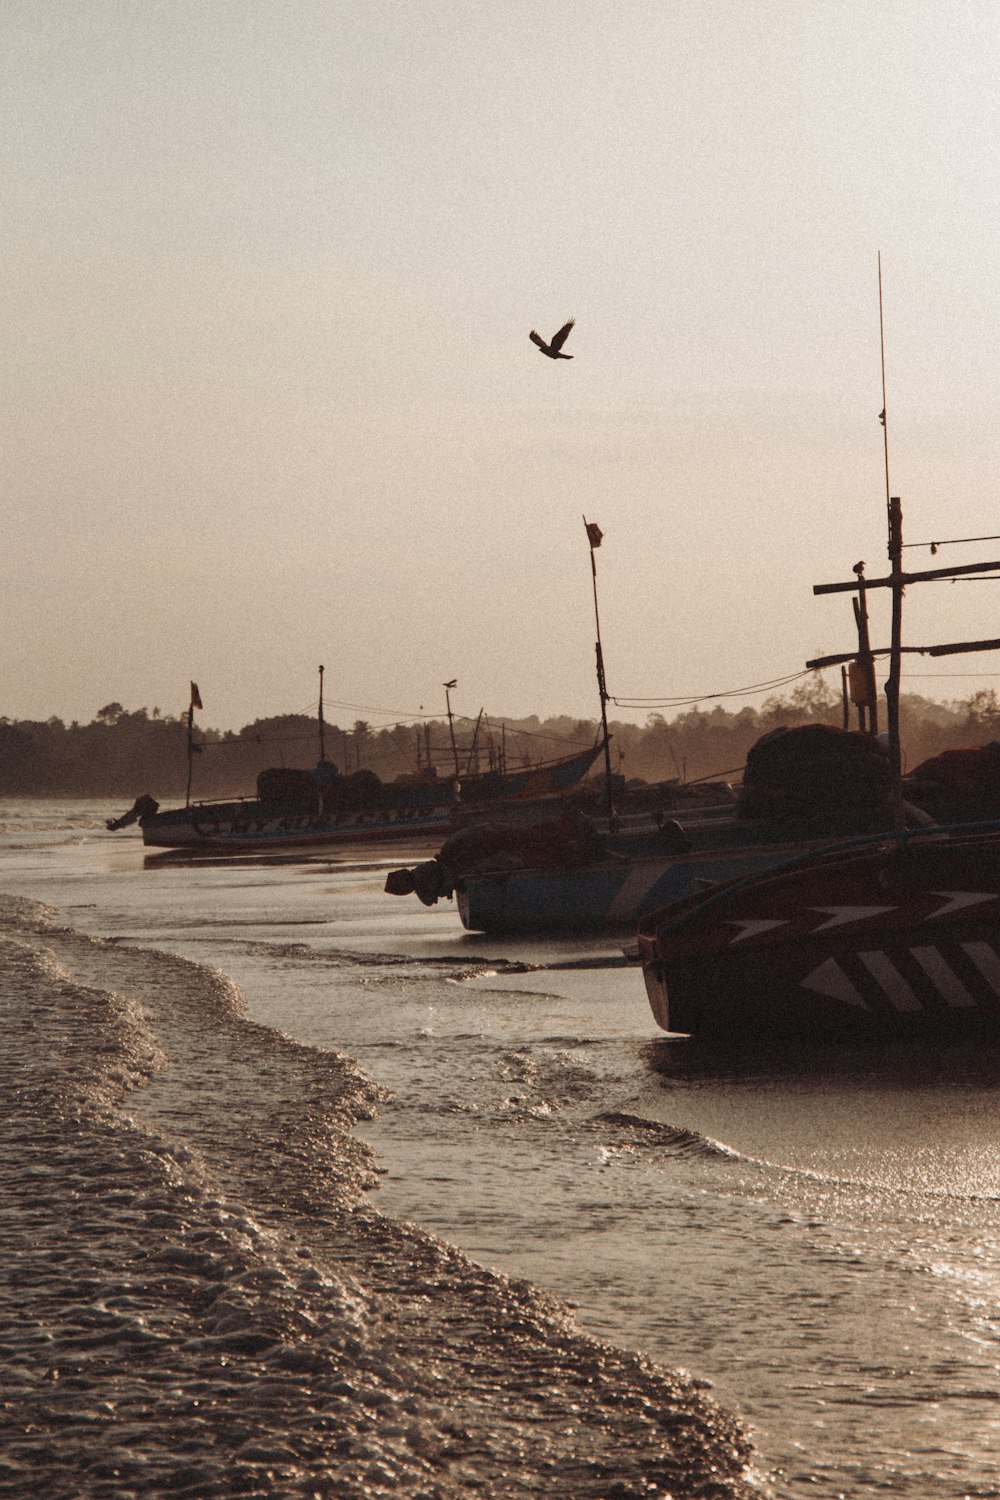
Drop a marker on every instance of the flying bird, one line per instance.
(554, 346)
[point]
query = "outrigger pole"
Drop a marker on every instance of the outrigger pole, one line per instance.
(594, 537)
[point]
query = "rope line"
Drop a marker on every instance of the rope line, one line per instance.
(743, 692)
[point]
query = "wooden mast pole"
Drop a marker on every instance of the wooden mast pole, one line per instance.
(865, 658)
(451, 722)
(894, 516)
(322, 746)
(192, 748)
(594, 536)
(845, 698)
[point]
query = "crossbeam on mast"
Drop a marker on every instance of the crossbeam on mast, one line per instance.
(905, 578)
(954, 649)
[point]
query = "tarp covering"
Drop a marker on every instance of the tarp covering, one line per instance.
(958, 786)
(815, 771)
(563, 843)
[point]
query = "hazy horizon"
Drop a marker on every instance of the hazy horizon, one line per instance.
(343, 716)
(270, 399)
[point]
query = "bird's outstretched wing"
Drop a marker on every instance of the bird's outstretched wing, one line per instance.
(533, 336)
(558, 339)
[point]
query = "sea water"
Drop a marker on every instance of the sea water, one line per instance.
(812, 1232)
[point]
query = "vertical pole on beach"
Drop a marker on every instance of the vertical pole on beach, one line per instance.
(594, 538)
(451, 722)
(322, 746)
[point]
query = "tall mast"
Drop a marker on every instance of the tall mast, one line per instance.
(451, 722)
(322, 747)
(594, 537)
(884, 417)
(192, 748)
(866, 661)
(894, 519)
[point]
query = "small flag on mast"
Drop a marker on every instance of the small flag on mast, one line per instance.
(594, 533)
(195, 696)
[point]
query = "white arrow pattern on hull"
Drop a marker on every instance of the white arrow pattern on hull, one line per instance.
(633, 892)
(889, 980)
(943, 977)
(753, 926)
(829, 978)
(956, 900)
(984, 957)
(840, 915)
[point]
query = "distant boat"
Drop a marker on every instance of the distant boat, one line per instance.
(299, 813)
(894, 939)
(550, 778)
(297, 809)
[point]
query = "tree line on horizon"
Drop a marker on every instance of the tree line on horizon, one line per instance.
(125, 753)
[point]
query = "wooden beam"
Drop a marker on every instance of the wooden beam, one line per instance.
(963, 646)
(905, 578)
(819, 662)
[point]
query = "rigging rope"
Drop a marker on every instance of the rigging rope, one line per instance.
(683, 702)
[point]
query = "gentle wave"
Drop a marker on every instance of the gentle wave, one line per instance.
(200, 1302)
(672, 1138)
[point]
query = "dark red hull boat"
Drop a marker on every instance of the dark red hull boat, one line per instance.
(897, 938)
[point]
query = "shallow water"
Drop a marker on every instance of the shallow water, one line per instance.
(815, 1234)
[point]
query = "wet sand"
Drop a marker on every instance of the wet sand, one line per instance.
(201, 1300)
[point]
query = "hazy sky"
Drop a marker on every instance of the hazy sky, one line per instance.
(269, 399)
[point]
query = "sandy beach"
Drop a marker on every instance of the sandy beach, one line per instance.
(202, 1300)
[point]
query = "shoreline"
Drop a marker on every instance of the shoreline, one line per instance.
(203, 1301)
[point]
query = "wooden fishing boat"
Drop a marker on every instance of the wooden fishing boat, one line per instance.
(297, 809)
(576, 874)
(896, 938)
(247, 825)
(892, 938)
(611, 892)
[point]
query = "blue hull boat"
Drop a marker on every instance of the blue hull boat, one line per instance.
(615, 892)
(803, 789)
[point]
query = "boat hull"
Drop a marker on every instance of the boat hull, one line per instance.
(895, 942)
(608, 895)
(247, 827)
(415, 809)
